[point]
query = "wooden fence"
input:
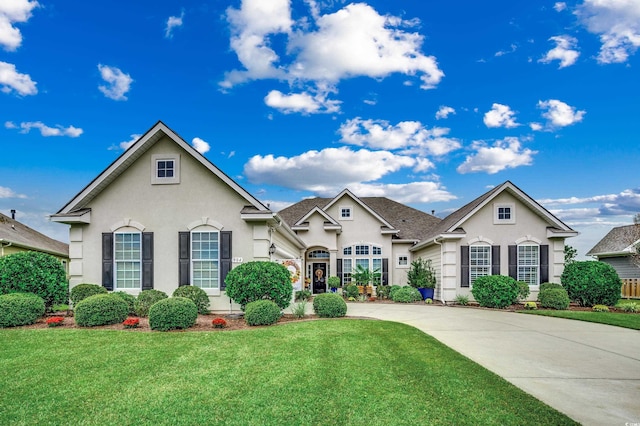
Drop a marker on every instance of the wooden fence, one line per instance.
(631, 288)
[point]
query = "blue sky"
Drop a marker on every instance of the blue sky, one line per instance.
(429, 103)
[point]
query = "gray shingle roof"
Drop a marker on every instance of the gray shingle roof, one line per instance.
(618, 239)
(21, 235)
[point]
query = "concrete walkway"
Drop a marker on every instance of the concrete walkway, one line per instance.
(590, 372)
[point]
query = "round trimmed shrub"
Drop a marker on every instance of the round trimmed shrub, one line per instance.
(555, 298)
(259, 280)
(261, 312)
(196, 294)
(329, 305)
(495, 291)
(591, 283)
(37, 273)
(545, 286)
(101, 309)
(146, 299)
(82, 291)
(406, 294)
(130, 299)
(351, 291)
(176, 313)
(393, 289)
(20, 309)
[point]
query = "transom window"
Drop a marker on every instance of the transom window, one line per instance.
(205, 259)
(367, 256)
(346, 251)
(318, 254)
(165, 168)
(128, 260)
(376, 250)
(362, 250)
(529, 264)
(479, 262)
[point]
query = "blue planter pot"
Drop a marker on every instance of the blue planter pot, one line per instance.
(333, 289)
(426, 293)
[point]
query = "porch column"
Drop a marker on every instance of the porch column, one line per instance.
(333, 263)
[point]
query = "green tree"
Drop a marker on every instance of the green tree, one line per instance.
(570, 254)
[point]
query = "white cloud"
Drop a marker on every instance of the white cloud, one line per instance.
(504, 154)
(617, 22)
(10, 125)
(9, 193)
(47, 131)
(560, 6)
(200, 145)
(512, 48)
(536, 127)
(12, 80)
(355, 41)
(173, 22)
(327, 170)
(444, 112)
(11, 12)
(119, 83)
(411, 136)
(624, 203)
(559, 114)
(301, 102)
(500, 116)
(412, 192)
(125, 144)
(564, 51)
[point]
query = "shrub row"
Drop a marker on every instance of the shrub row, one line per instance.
(20, 309)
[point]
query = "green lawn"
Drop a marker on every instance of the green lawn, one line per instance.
(334, 372)
(610, 318)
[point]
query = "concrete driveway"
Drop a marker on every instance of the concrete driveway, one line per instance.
(590, 372)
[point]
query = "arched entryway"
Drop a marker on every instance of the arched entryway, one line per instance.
(318, 267)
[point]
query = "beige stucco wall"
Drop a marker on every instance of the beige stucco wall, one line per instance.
(200, 197)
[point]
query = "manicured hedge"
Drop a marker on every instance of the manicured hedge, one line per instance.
(555, 298)
(175, 313)
(82, 291)
(146, 299)
(20, 309)
(259, 280)
(130, 299)
(591, 283)
(101, 309)
(262, 312)
(329, 305)
(495, 291)
(197, 295)
(406, 294)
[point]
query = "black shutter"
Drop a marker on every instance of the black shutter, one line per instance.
(513, 262)
(544, 264)
(495, 260)
(184, 251)
(339, 270)
(385, 271)
(147, 260)
(225, 256)
(107, 261)
(464, 266)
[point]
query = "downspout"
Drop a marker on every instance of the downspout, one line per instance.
(435, 241)
(2, 246)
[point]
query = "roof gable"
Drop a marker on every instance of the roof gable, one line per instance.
(347, 193)
(620, 240)
(144, 143)
(18, 234)
(319, 211)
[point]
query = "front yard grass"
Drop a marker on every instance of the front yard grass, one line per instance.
(331, 372)
(610, 318)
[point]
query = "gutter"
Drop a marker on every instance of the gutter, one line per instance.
(2, 246)
(435, 241)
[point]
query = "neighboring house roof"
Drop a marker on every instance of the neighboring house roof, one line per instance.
(621, 240)
(14, 233)
(453, 224)
(410, 223)
(73, 210)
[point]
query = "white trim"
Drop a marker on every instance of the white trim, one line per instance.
(115, 261)
(405, 266)
(361, 203)
(205, 221)
(345, 208)
(175, 179)
(528, 238)
(205, 229)
(481, 239)
(512, 213)
(127, 223)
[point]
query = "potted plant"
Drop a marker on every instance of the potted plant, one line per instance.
(363, 278)
(423, 277)
(333, 282)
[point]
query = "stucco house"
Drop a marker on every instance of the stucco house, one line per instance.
(618, 248)
(504, 231)
(162, 215)
(16, 237)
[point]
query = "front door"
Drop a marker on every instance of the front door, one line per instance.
(319, 278)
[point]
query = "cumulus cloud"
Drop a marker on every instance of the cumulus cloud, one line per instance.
(12, 12)
(46, 131)
(173, 22)
(444, 112)
(303, 103)
(559, 114)
(200, 145)
(560, 6)
(118, 85)
(354, 41)
(11, 80)
(564, 51)
(124, 145)
(617, 22)
(500, 116)
(327, 170)
(412, 192)
(9, 193)
(504, 154)
(410, 136)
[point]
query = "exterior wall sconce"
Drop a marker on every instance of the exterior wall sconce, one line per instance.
(272, 249)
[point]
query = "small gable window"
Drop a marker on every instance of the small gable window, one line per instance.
(165, 169)
(346, 213)
(403, 260)
(504, 214)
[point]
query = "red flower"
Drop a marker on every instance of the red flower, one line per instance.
(131, 322)
(54, 321)
(219, 323)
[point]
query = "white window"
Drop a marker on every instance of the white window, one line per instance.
(346, 213)
(128, 260)
(205, 260)
(377, 270)
(504, 214)
(479, 262)
(165, 169)
(403, 260)
(529, 264)
(362, 250)
(376, 250)
(362, 262)
(346, 251)
(346, 271)
(318, 254)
